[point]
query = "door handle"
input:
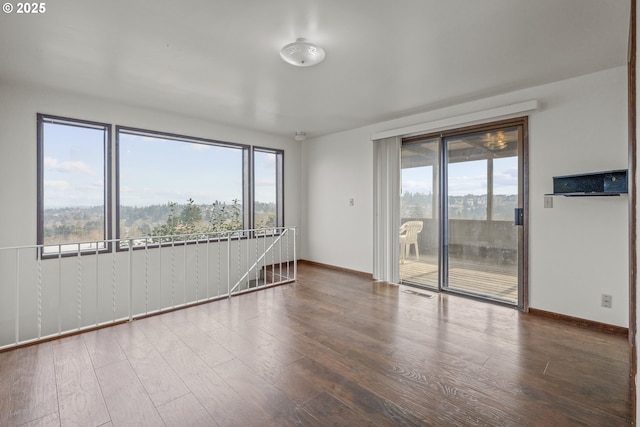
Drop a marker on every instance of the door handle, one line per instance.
(518, 216)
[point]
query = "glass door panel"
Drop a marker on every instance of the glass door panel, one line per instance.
(419, 214)
(483, 190)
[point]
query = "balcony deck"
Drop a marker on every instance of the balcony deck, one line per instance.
(498, 282)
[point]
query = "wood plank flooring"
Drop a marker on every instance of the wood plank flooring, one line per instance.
(499, 282)
(331, 349)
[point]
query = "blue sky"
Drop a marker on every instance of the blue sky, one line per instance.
(73, 166)
(156, 171)
(466, 178)
(152, 170)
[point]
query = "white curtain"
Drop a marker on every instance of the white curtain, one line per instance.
(386, 209)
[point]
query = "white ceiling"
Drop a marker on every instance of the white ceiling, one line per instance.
(219, 59)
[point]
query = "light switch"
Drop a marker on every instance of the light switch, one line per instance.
(548, 201)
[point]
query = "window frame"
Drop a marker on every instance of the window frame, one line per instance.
(111, 168)
(247, 213)
(279, 153)
(42, 119)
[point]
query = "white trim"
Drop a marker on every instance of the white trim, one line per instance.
(443, 124)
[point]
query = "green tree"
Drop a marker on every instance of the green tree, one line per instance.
(224, 217)
(170, 227)
(191, 214)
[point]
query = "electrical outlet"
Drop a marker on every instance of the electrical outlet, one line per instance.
(606, 301)
(351, 202)
(548, 201)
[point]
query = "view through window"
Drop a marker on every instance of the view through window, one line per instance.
(505, 188)
(468, 190)
(172, 186)
(417, 195)
(164, 185)
(267, 181)
(72, 210)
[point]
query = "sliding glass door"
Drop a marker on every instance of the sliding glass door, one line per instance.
(420, 213)
(466, 188)
(483, 199)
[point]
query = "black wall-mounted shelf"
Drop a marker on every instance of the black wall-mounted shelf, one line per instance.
(608, 183)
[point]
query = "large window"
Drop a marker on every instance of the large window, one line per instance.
(164, 185)
(173, 185)
(73, 159)
(267, 173)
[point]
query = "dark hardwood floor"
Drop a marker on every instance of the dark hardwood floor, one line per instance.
(331, 349)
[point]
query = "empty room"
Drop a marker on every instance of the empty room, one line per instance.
(318, 213)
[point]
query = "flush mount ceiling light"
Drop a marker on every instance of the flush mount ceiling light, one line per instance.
(302, 53)
(497, 141)
(300, 136)
(499, 144)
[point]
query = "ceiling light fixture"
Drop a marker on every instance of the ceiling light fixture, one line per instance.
(500, 144)
(302, 53)
(495, 141)
(300, 136)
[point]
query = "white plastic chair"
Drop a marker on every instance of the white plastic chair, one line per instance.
(409, 236)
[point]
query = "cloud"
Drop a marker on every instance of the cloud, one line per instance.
(138, 138)
(268, 159)
(143, 196)
(266, 182)
(411, 186)
(200, 147)
(93, 187)
(506, 181)
(56, 185)
(52, 164)
(463, 185)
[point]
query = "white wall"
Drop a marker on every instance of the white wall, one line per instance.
(338, 168)
(18, 148)
(578, 249)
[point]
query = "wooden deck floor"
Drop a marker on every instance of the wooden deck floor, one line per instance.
(498, 282)
(331, 349)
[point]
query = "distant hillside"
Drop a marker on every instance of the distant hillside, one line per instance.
(87, 223)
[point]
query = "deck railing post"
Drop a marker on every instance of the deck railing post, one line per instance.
(146, 276)
(184, 268)
(39, 314)
(97, 285)
(17, 321)
(130, 280)
(173, 270)
(295, 256)
(229, 265)
(159, 276)
(59, 289)
(79, 287)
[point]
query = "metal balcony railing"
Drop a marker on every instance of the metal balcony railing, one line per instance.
(54, 290)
